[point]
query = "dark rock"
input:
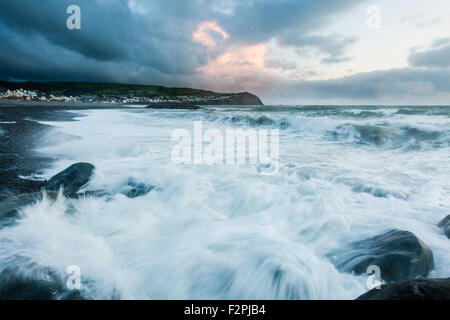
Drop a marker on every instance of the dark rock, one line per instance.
(445, 225)
(16, 185)
(95, 194)
(417, 289)
(6, 193)
(71, 179)
(37, 284)
(132, 189)
(399, 254)
(136, 189)
(245, 98)
(17, 201)
(9, 208)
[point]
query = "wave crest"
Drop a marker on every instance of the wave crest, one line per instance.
(390, 137)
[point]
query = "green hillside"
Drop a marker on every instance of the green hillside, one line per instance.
(91, 88)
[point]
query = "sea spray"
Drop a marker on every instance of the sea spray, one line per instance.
(214, 231)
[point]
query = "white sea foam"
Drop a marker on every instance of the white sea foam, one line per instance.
(32, 177)
(226, 232)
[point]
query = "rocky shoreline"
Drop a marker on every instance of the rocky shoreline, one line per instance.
(21, 134)
(404, 260)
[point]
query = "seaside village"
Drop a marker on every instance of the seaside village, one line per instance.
(28, 95)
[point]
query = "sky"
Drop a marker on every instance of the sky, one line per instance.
(285, 51)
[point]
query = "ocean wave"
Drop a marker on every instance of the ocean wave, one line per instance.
(224, 231)
(252, 120)
(377, 191)
(429, 111)
(358, 114)
(362, 112)
(390, 137)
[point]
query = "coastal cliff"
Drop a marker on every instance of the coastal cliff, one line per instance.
(243, 98)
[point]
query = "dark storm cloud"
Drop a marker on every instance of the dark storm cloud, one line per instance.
(151, 42)
(257, 21)
(148, 41)
(405, 83)
(427, 79)
(334, 47)
(35, 38)
(292, 23)
(437, 56)
(48, 19)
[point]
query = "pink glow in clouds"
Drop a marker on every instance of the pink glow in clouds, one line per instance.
(205, 31)
(233, 68)
(239, 68)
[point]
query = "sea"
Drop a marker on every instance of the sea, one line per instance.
(228, 230)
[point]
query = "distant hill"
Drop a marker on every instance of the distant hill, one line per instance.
(111, 89)
(243, 98)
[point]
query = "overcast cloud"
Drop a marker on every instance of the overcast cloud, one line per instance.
(213, 44)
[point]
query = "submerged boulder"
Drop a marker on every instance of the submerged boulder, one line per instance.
(417, 289)
(72, 178)
(9, 208)
(95, 194)
(136, 189)
(445, 225)
(36, 284)
(6, 193)
(400, 255)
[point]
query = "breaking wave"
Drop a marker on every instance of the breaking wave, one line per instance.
(147, 228)
(391, 137)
